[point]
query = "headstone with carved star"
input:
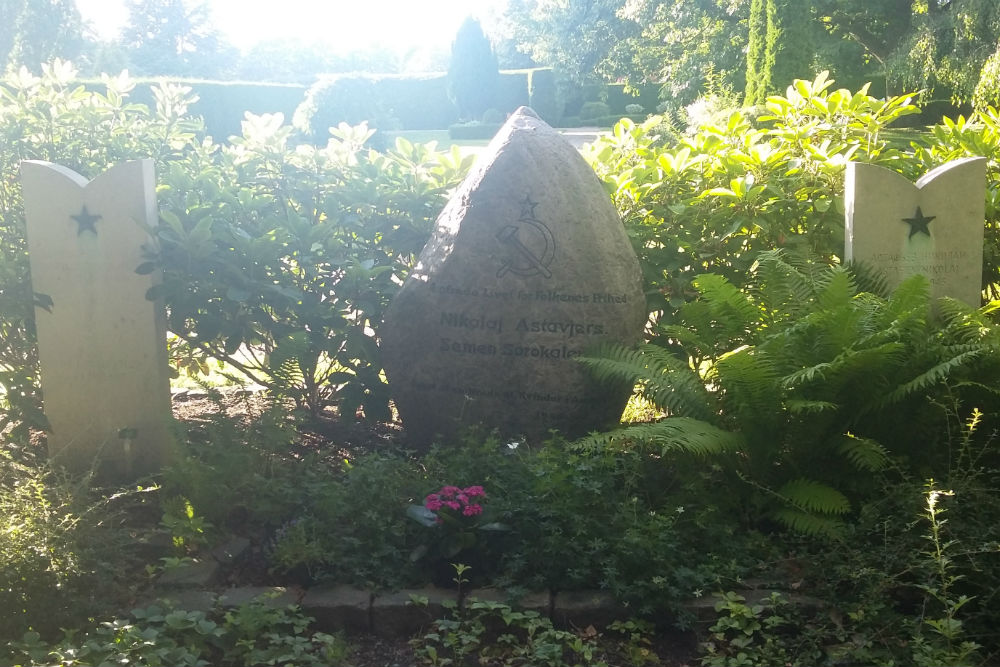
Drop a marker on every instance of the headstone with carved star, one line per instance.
(101, 342)
(528, 268)
(933, 227)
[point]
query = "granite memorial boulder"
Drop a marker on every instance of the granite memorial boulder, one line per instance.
(529, 267)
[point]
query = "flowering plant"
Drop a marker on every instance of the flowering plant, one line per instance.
(457, 514)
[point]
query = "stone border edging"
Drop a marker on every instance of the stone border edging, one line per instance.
(393, 614)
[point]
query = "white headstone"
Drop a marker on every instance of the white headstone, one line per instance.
(101, 344)
(934, 227)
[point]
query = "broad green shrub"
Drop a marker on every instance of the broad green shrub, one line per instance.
(712, 201)
(281, 260)
(593, 112)
(351, 99)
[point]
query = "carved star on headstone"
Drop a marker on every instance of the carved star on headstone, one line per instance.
(85, 221)
(528, 208)
(918, 223)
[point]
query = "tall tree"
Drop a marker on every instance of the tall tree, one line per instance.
(782, 47)
(758, 77)
(33, 32)
(947, 46)
(175, 37)
(473, 74)
(574, 37)
(687, 45)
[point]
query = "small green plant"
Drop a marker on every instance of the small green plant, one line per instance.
(526, 638)
(253, 634)
(747, 634)
(939, 636)
(187, 529)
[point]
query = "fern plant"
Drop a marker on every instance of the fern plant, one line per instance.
(803, 384)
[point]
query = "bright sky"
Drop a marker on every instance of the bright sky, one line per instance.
(344, 25)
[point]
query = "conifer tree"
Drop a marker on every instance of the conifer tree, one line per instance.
(473, 73)
(755, 89)
(780, 48)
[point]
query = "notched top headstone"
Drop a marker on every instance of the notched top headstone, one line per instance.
(101, 343)
(933, 227)
(528, 268)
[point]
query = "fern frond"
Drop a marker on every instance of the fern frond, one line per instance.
(284, 362)
(670, 435)
(811, 496)
(836, 288)
(662, 378)
(870, 279)
(913, 294)
(729, 304)
(965, 323)
(750, 381)
(863, 453)
(798, 406)
(675, 386)
(932, 375)
(808, 524)
(783, 287)
(847, 364)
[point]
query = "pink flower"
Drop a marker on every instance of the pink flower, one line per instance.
(472, 510)
(464, 499)
(474, 491)
(433, 505)
(453, 504)
(449, 491)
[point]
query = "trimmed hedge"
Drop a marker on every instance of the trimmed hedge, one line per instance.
(543, 96)
(222, 104)
(410, 102)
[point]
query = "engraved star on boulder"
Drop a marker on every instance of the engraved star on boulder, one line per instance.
(85, 221)
(918, 223)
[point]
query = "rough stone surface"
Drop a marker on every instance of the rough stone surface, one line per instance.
(231, 550)
(339, 608)
(934, 227)
(582, 608)
(395, 615)
(101, 343)
(187, 600)
(276, 596)
(540, 602)
(528, 268)
(196, 574)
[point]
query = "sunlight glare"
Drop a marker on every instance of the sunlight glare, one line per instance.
(344, 26)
